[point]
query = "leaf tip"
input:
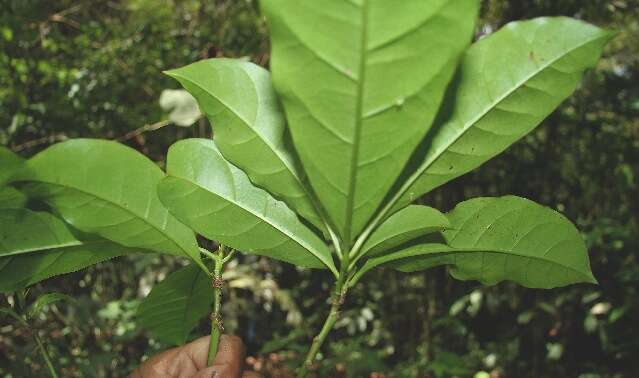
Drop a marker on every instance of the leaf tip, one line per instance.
(172, 73)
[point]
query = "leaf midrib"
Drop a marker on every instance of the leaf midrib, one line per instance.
(25, 251)
(448, 250)
(455, 250)
(350, 200)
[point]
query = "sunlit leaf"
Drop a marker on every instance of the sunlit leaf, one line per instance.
(217, 200)
(105, 188)
(361, 82)
(37, 245)
(508, 83)
(505, 238)
(249, 126)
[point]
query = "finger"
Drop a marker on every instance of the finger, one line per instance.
(198, 351)
(251, 374)
(230, 351)
(218, 371)
(158, 365)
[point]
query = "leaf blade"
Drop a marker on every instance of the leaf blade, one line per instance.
(505, 238)
(12, 198)
(239, 100)
(77, 178)
(520, 87)
(11, 164)
(405, 225)
(253, 221)
(25, 260)
(176, 305)
(350, 73)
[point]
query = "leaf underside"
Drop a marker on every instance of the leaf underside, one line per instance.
(25, 259)
(11, 198)
(351, 73)
(10, 163)
(407, 224)
(508, 83)
(505, 238)
(249, 126)
(176, 305)
(237, 213)
(105, 188)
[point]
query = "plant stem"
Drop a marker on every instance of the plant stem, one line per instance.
(337, 300)
(216, 316)
(318, 340)
(45, 355)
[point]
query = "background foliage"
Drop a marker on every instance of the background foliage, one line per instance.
(93, 68)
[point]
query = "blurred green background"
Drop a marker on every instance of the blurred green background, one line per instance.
(93, 68)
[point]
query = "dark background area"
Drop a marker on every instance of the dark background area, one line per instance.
(93, 68)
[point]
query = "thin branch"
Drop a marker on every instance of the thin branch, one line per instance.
(143, 129)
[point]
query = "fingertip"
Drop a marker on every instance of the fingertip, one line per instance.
(232, 344)
(198, 351)
(210, 372)
(230, 353)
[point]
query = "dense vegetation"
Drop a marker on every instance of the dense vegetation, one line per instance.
(80, 68)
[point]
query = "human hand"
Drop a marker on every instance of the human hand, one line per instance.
(189, 361)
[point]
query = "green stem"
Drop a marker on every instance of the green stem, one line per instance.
(45, 355)
(318, 340)
(216, 316)
(337, 300)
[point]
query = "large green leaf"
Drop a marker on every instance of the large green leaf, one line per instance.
(217, 200)
(405, 225)
(506, 238)
(37, 245)
(25, 231)
(509, 82)
(11, 198)
(361, 82)
(10, 163)
(239, 100)
(176, 305)
(108, 189)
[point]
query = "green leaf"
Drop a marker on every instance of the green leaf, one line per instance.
(10, 163)
(217, 200)
(176, 305)
(405, 225)
(12, 198)
(25, 231)
(45, 300)
(413, 258)
(352, 74)
(508, 83)
(37, 245)
(239, 100)
(105, 188)
(506, 238)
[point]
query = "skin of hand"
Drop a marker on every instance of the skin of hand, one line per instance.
(189, 361)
